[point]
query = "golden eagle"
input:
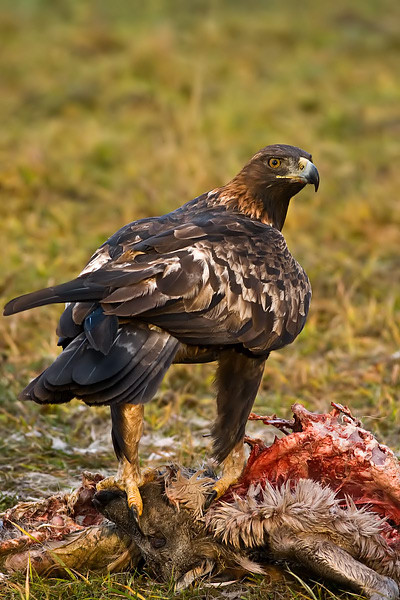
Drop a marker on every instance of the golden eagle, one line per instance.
(212, 280)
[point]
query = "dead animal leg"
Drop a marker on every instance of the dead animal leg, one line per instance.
(127, 429)
(330, 561)
(100, 547)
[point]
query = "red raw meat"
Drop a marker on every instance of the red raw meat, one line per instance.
(334, 450)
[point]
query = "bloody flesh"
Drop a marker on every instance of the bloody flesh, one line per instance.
(334, 450)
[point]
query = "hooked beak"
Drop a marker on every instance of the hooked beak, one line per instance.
(309, 172)
(306, 172)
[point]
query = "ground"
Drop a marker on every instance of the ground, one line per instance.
(115, 111)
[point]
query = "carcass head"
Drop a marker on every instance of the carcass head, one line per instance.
(172, 543)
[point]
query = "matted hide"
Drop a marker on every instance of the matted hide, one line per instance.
(326, 495)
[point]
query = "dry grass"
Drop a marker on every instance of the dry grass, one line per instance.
(114, 111)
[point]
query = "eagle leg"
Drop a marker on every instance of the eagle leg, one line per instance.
(238, 378)
(127, 429)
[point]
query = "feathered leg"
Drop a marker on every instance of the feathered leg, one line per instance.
(127, 429)
(238, 379)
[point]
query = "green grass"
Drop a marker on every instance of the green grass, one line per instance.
(118, 110)
(139, 587)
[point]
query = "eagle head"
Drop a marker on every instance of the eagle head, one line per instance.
(265, 185)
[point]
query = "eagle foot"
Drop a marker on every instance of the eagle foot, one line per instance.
(213, 495)
(232, 470)
(130, 487)
(219, 489)
(129, 482)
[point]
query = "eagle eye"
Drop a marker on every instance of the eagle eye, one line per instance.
(274, 163)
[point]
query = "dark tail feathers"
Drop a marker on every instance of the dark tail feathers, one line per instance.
(130, 372)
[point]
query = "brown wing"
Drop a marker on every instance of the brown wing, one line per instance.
(218, 279)
(215, 282)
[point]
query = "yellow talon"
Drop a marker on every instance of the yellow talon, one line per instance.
(107, 484)
(135, 499)
(220, 488)
(232, 469)
(130, 487)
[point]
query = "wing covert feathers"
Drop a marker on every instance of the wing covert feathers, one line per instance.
(72, 291)
(214, 280)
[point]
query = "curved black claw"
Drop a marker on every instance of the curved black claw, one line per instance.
(135, 517)
(113, 505)
(210, 499)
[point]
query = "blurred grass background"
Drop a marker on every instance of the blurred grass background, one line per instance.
(113, 111)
